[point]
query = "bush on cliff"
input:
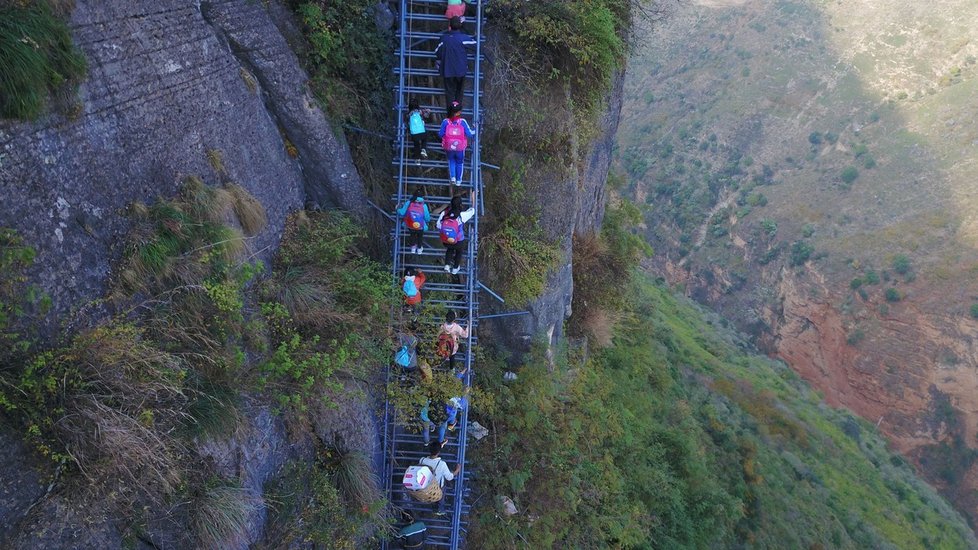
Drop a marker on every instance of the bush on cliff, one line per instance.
(125, 405)
(37, 57)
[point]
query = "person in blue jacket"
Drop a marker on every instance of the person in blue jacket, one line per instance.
(416, 218)
(452, 60)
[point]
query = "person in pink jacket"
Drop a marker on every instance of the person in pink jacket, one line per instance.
(452, 331)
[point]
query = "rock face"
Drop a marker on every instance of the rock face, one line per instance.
(168, 82)
(572, 203)
(174, 88)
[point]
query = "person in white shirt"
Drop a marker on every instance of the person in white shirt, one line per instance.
(440, 469)
(450, 229)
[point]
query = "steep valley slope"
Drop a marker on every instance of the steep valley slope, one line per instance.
(808, 168)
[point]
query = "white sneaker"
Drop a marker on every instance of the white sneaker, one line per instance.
(454, 182)
(448, 268)
(414, 250)
(456, 270)
(424, 153)
(417, 162)
(420, 249)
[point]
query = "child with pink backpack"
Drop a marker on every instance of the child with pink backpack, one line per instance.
(455, 133)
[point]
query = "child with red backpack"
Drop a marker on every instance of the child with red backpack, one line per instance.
(411, 285)
(448, 335)
(455, 133)
(451, 230)
(416, 217)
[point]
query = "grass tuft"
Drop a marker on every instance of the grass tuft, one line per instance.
(250, 212)
(36, 58)
(220, 516)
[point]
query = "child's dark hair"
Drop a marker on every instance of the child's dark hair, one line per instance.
(455, 23)
(450, 317)
(409, 272)
(454, 108)
(416, 195)
(455, 208)
(413, 105)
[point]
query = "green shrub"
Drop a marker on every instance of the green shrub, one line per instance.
(870, 277)
(849, 175)
(901, 264)
(892, 295)
(347, 59)
(770, 227)
(974, 311)
(520, 259)
(579, 42)
(800, 252)
(855, 283)
(815, 138)
(15, 296)
(36, 58)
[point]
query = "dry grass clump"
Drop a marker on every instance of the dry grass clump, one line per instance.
(179, 242)
(122, 398)
(219, 516)
(250, 212)
(354, 477)
(594, 283)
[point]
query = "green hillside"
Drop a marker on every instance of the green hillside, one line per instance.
(841, 124)
(679, 435)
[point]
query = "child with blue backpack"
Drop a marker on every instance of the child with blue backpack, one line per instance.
(416, 119)
(416, 217)
(455, 134)
(451, 230)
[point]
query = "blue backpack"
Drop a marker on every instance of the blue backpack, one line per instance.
(403, 357)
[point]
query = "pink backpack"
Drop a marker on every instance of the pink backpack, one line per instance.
(454, 139)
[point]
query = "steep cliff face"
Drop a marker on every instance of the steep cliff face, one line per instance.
(174, 88)
(572, 201)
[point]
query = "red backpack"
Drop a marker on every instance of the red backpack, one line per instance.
(454, 139)
(451, 231)
(414, 217)
(446, 345)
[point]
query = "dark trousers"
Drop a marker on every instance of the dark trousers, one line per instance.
(454, 89)
(415, 238)
(417, 140)
(454, 252)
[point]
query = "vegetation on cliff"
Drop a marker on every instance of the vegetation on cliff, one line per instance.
(817, 149)
(127, 407)
(678, 435)
(37, 57)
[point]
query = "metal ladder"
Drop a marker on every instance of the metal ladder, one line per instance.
(421, 25)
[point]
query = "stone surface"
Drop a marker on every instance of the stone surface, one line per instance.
(168, 81)
(21, 482)
(165, 85)
(572, 200)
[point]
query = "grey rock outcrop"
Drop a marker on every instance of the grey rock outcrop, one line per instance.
(165, 85)
(21, 484)
(571, 203)
(168, 82)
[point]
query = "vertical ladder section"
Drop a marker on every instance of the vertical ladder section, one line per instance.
(422, 23)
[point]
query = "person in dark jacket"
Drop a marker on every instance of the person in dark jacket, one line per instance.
(453, 63)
